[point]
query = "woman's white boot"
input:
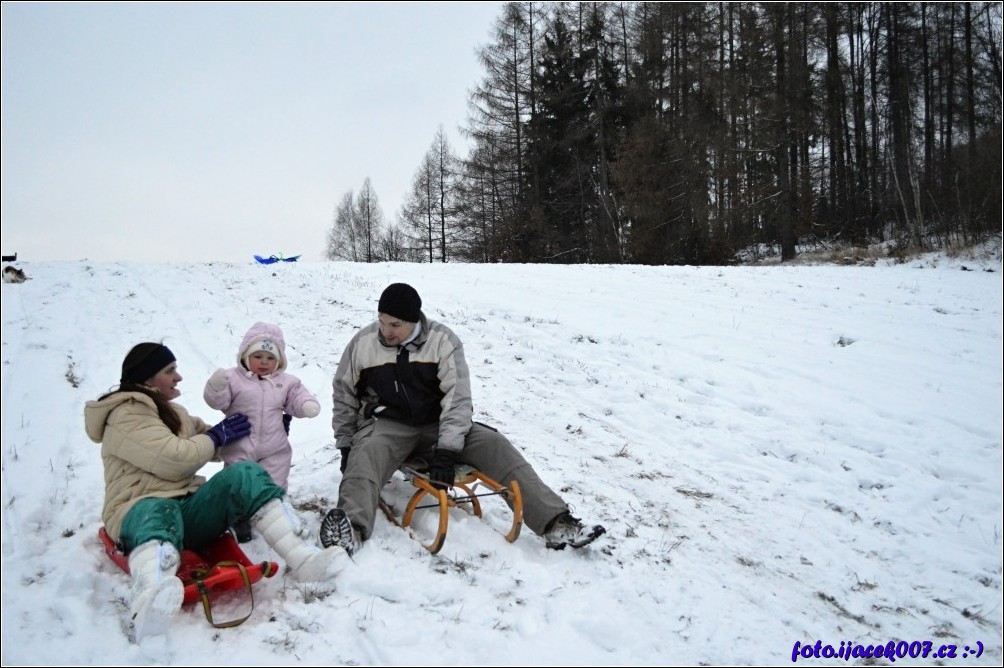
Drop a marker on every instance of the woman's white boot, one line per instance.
(278, 524)
(157, 594)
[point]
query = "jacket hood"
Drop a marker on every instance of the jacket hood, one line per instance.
(96, 412)
(263, 331)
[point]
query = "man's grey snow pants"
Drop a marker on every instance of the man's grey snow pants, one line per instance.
(381, 446)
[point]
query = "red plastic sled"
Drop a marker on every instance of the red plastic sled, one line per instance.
(215, 569)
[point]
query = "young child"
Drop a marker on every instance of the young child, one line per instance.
(260, 388)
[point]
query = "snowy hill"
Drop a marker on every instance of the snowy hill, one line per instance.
(779, 454)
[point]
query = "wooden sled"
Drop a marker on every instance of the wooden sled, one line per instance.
(217, 568)
(464, 494)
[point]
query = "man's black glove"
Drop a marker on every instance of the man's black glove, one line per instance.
(442, 469)
(286, 419)
(345, 459)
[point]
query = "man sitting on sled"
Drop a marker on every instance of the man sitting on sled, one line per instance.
(402, 390)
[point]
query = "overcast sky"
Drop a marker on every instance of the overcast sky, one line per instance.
(215, 131)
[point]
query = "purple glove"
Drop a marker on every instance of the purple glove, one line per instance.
(231, 429)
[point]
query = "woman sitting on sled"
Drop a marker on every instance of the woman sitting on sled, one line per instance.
(155, 504)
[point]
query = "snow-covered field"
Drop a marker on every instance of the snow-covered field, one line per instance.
(780, 455)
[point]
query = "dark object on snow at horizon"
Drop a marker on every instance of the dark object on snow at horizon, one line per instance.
(10, 258)
(12, 274)
(275, 258)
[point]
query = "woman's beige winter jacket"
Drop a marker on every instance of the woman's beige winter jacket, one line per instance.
(141, 456)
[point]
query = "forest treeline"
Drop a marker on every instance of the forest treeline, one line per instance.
(698, 133)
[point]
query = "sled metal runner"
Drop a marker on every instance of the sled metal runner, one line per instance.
(463, 495)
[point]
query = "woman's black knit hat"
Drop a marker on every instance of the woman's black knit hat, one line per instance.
(144, 361)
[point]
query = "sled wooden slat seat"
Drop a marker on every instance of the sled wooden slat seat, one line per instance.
(464, 494)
